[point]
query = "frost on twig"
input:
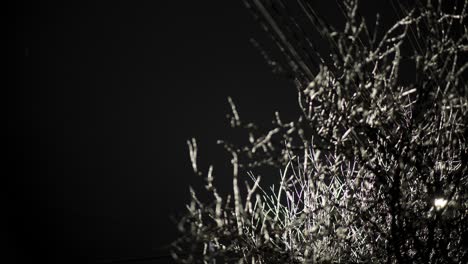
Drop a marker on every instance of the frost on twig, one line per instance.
(193, 150)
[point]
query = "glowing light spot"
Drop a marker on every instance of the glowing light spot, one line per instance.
(439, 203)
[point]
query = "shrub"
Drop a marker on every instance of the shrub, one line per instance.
(375, 168)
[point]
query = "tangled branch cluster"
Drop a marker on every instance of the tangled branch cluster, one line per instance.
(375, 168)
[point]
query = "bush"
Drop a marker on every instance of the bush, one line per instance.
(375, 168)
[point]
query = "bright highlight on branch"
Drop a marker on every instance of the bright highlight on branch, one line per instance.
(440, 203)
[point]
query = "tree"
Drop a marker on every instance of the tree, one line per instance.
(375, 168)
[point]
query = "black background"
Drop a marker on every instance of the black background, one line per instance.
(102, 98)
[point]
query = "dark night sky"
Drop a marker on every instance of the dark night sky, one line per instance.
(103, 96)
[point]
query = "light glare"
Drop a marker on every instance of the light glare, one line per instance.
(440, 203)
